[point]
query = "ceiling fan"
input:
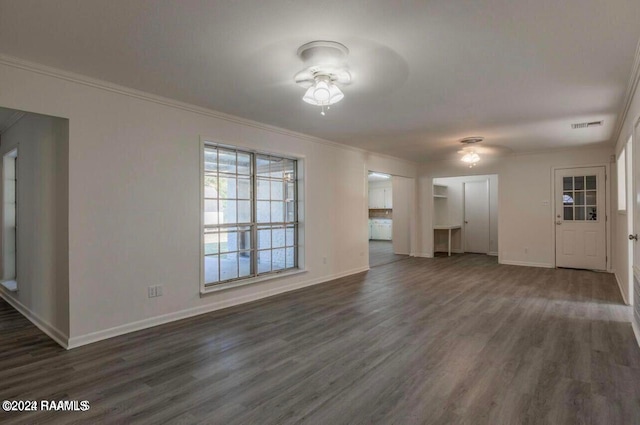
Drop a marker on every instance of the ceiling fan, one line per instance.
(325, 70)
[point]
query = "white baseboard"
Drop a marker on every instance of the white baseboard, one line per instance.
(493, 253)
(620, 286)
(423, 255)
(527, 264)
(89, 338)
(53, 332)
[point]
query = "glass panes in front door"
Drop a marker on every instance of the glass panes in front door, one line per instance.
(579, 198)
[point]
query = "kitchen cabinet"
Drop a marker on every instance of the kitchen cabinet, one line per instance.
(385, 231)
(380, 198)
(381, 230)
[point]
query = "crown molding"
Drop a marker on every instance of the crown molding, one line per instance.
(13, 119)
(582, 148)
(632, 86)
(172, 103)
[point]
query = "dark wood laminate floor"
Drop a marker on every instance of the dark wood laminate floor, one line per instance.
(453, 340)
(381, 253)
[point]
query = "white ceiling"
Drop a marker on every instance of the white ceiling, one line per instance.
(425, 73)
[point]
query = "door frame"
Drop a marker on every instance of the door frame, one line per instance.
(607, 209)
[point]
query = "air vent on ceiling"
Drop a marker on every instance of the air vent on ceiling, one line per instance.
(587, 124)
(471, 140)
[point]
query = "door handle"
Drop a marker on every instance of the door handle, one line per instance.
(633, 237)
(558, 222)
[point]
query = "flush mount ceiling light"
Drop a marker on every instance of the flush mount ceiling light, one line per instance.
(470, 156)
(325, 69)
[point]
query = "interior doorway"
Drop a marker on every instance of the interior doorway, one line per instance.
(380, 219)
(465, 215)
(627, 186)
(34, 254)
(390, 215)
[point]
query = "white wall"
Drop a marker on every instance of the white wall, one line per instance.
(42, 236)
(525, 215)
(454, 211)
(134, 217)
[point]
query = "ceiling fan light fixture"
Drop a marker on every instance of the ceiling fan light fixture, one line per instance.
(326, 68)
(323, 93)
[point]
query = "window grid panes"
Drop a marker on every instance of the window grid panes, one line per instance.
(579, 198)
(250, 214)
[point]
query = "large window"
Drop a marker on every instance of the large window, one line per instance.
(250, 214)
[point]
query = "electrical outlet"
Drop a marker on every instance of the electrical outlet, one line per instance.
(158, 290)
(151, 291)
(324, 260)
(526, 250)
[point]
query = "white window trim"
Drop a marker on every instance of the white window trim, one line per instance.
(249, 281)
(302, 190)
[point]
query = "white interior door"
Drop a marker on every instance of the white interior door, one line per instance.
(580, 218)
(476, 216)
(634, 293)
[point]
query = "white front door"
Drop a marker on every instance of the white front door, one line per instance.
(580, 221)
(476, 216)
